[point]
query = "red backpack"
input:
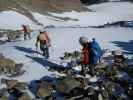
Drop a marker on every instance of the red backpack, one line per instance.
(25, 29)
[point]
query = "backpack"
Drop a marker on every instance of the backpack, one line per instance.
(96, 52)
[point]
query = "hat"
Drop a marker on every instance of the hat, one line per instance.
(83, 40)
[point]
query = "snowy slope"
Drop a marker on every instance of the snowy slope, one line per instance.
(66, 39)
(102, 13)
(13, 20)
(62, 40)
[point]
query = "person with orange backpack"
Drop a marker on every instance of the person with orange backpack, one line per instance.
(45, 42)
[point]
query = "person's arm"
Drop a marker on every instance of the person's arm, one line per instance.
(49, 41)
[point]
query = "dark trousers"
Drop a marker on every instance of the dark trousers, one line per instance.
(89, 68)
(45, 49)
(27, 35)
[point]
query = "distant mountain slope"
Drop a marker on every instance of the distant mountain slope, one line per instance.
(64, 13)
(100, 1)
(40, 6)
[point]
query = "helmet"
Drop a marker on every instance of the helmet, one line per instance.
(83, 40)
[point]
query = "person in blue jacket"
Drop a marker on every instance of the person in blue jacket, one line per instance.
(97, 52)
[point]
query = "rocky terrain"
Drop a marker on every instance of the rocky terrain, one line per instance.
(25, 74)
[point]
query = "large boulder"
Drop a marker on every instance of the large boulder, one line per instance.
(14, 84)
(25, 96)
(11, 83)
(67, 84)
(41, 89)
(44, 90)
(115, 90)
(8, 66)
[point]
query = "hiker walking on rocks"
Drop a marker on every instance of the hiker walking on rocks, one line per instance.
(44, 41)
(27, 31)
(87, 56)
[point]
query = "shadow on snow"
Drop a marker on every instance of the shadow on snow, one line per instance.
(46, 63)
(126, 46)
(26, 50)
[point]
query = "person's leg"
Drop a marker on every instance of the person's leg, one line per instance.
(29, 35)
(92, 69)
(42, 49)
(47, 52)
(24, 36)
(83, 72)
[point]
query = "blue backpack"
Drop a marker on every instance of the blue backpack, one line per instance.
(97, 51)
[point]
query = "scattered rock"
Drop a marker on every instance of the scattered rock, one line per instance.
(13, 35)
(9, 67)
(67, 84)
(101, 65)
(44, 90)
(24, 96)
(11, 83)
(14, 83)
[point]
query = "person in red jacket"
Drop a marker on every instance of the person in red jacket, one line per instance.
(87, 56)
(26, 31)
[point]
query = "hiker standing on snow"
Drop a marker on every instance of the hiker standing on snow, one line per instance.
(27, 32)
(96, 52)
(87, 56)
(44, 41)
